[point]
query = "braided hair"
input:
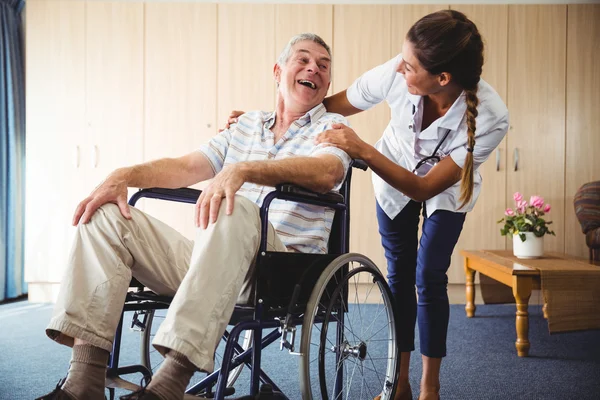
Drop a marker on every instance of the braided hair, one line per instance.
(447, 41)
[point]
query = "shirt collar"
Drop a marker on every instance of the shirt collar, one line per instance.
(313, 115)
(414, 99)
(451, 120)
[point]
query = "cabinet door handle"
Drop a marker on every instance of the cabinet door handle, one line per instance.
(95, 156)
(516, 157)
(497, 159)
(76, 156)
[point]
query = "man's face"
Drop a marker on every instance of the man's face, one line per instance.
(305, 78)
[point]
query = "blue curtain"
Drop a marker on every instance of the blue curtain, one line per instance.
(12, 150)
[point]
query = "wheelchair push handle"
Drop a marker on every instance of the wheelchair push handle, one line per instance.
(360, 164)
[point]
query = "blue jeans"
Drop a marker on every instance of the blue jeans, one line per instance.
(425, 267)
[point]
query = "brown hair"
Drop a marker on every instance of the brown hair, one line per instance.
(447, 41)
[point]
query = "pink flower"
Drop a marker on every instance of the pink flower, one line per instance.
(518, 197)
(521, 206)
(509, 212)
(536, 201)
(547, 208)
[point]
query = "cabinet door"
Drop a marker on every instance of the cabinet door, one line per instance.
(114, 87)
(180, 91)
(583, 119)
(55, 97)
(356, 51)
(536, 101)
(246, 58)
(481, 230)
(404, 16)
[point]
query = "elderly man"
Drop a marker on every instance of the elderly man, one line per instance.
(115, 242)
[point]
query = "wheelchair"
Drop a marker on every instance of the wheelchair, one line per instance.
(340, 302)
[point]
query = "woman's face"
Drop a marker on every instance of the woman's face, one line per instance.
(418, 79)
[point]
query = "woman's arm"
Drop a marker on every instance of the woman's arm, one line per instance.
(443, 175)
(338, 103)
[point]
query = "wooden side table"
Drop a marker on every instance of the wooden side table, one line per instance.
(520, 278)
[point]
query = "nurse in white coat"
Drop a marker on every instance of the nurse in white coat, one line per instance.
(445, 123)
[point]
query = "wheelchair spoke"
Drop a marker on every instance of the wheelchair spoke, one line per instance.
(375, 371)
(350, 380)
(364, 378)
(377, 315)
(369, 339)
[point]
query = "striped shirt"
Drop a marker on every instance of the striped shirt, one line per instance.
(301, 227)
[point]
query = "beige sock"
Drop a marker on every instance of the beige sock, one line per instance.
(173, 376)
(87, 373)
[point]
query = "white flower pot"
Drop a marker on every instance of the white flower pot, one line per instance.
(532, 247)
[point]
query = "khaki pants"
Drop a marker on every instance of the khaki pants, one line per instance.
(205, 276)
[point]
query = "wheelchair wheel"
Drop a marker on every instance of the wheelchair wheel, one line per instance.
(348, 342)
(152, 359)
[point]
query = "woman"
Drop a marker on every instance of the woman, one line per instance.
(445, 123)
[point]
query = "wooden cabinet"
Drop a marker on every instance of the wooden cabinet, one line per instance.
(55, 102)
(481, 230)
(583, 119)
(179, 92)
(536, 101)
(531, 159)
(84, 118)
(113, 83)
(348, 64)
(293, 19)
(246, 58)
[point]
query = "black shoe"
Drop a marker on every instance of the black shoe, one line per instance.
(57, 393)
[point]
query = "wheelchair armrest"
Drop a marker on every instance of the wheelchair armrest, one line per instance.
(299, 193)
(181, 195)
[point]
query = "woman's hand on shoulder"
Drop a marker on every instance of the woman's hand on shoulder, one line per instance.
(343, 137)
(232, 119)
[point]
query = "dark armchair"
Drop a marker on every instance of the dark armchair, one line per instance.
(587, 210)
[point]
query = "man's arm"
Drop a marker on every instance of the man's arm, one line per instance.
(319, 173)
(166, 172)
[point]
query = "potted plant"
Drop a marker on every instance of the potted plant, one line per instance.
(527, 226)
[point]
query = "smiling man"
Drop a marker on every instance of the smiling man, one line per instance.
(115, 242)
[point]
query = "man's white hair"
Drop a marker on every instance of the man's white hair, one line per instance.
(287, 51)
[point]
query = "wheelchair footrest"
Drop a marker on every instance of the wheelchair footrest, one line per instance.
(266, 392)
(228, 392)
(114, 382)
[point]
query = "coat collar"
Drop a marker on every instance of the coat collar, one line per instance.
(451, 120)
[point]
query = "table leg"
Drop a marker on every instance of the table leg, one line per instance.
(545, 310)
(469, 290)
(522, 286)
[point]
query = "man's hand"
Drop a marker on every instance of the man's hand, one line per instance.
(112, 190)
(225, 184)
